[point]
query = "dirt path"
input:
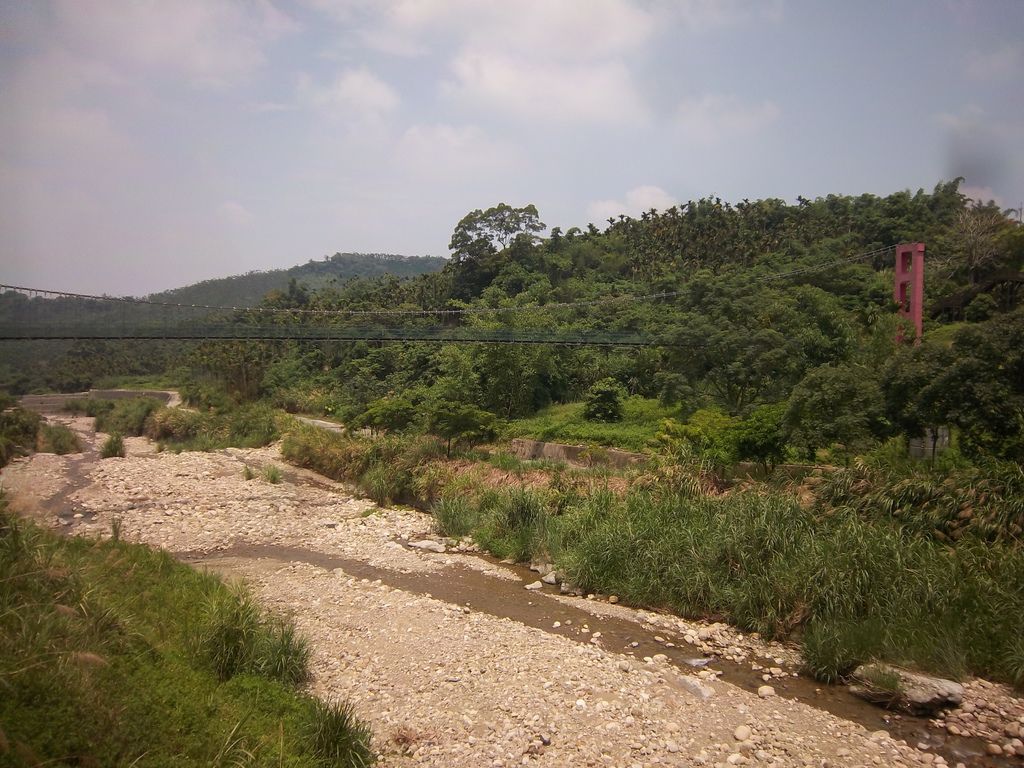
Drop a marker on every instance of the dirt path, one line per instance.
(445, 654)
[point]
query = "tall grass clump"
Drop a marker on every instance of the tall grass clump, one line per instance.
(56, 438)
(388, 469)
(337, 738)
(112, 447)
(455, 516)
(236, 637)
(852, 589)
(272, 474)
(18, 430)
(127, 417)
(247, 426)
(513, 523)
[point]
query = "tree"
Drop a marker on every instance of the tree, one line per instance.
(836, 404)
(387, 414)
(761, 437)
(604, 401)
(481, 233)
(465, 423)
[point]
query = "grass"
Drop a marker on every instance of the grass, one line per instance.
(247, 426)
(58, 439)
(272, 474)
(394, 468)
(127, 417)
(115, 654)
(18, 430)
(852, 584)
(641, 421)
(247, 473)
(112, 447)
(89, 406)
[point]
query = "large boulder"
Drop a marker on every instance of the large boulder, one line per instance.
(901, 689)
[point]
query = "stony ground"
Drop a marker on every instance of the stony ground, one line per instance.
(443, 684)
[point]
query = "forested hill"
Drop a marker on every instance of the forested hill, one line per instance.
(252, 287)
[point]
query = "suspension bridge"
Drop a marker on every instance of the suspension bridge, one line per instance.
(34, 314)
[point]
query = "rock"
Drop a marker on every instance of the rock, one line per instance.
(695, 686)
(742, 733)
(613, 599)
(912, 692)
(765, 691)
(550, 578)
(994, 749)
(534, 585)
(429, 545)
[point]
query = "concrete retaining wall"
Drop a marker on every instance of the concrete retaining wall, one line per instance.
(580, 455)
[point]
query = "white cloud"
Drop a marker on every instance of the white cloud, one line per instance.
(1006, 61)
(208, 42)
(597, 92)
(982, 194)
(235, 214)
(451, 152)
(569, 29)
(356, 95)
(713, 118)
(637, 201)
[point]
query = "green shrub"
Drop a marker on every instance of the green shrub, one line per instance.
(56, 438)
(89, 406)
(18, 430)
(112, 446)
(272, 474)
(336, 738)
(235, 637)
(247, 473)
(127, 417)
(455, 516)
(604, 401)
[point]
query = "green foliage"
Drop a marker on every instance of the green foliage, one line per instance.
(762, 436)
(90, 406)
(981, 308)
(942, 503)
(860, 589)
(337, 739)
(461, 423)
(127, 417)
(392, 468)
(604, 401)
(387, 414)
(112, 446)
(56, 438)
(976, 383)
(641, 421)
(247, 473)
(709, 433)
(455, 516)
(18, 429)
(272, 474)
(836, 404)
(99, 663)
(235, 637)
(246, 426)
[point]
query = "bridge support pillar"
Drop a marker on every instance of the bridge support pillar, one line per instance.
(908, 286)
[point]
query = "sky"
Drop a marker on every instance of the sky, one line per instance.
(148, 144)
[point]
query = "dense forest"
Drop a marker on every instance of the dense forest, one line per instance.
(772, 314)
(767, 316)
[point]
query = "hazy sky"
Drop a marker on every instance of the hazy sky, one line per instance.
(147, 144)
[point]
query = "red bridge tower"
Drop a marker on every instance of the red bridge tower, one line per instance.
(908, 288)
